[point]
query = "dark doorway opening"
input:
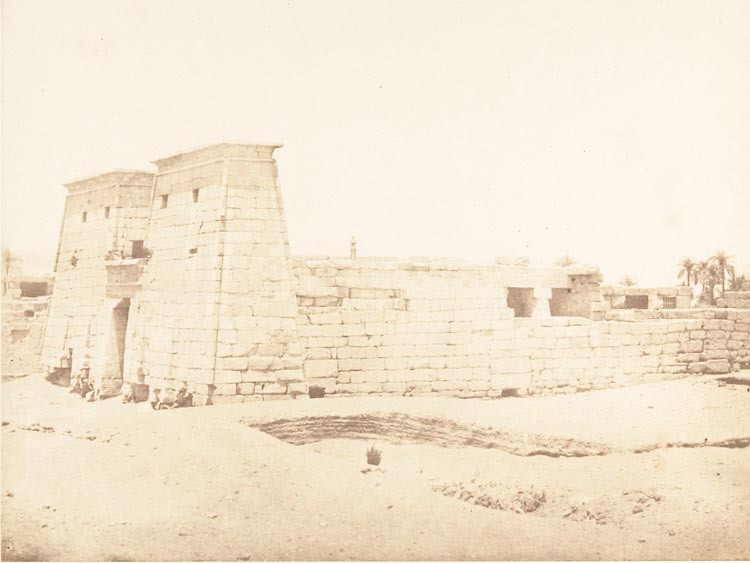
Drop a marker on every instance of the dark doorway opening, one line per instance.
(138, 251)
(115, 360)
(120, 318)
(636, 301)
(33, 289)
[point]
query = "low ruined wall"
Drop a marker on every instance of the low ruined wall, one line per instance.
(726, 337)
(23, 330)
(393, 331)
(735, 300)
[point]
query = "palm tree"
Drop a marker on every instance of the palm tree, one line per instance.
(687, 266)
(710, 278)
(732, 275)
(627, 281)
(721, 261)
(738, 282)
(11, 262)
(698, 270)
(565, 261)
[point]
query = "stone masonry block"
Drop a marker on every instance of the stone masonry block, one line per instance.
(245, 388)
(232, 363)
(321, 368)
(289, 375)
(271, 389)
(718, 366)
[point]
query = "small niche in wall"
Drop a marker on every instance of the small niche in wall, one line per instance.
(137, 249)
(106, 212)
(521, 300)
(28, 313)
(84, 216)
(164, 200)
(193, 250)
(196, 192)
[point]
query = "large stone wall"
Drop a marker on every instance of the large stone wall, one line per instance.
(735, 300)
(388, 327)
(216, 306)
(413, 330)
(80, 318)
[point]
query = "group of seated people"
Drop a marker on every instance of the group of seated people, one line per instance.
(166, 400)
(83, 385)
(135, 393)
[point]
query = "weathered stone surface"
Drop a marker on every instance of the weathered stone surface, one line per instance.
(321, 368)
(718, 366)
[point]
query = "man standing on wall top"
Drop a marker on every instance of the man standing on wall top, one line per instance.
(353, 247)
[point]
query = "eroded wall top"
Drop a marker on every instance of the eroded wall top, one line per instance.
(214, 152)
(110, 179)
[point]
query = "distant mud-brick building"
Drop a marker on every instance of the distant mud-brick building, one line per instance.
(185, 276)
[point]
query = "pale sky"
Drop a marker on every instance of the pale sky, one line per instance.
(615, 132)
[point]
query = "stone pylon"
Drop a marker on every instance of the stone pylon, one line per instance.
(104, 217)
(216, 306)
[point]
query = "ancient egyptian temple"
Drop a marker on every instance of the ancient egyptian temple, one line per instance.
(184, 275)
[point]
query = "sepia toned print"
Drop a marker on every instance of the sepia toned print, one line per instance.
(180, 382)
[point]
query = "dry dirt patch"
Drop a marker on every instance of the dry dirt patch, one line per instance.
(552, 503)
(722, 381)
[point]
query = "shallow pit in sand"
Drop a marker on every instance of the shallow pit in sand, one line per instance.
(402, 428)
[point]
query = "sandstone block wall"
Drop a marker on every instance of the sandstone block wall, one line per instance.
(404, 329)
(390, 327)
(726, 332)
(613, 353)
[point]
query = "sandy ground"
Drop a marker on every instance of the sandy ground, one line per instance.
(534, 478)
